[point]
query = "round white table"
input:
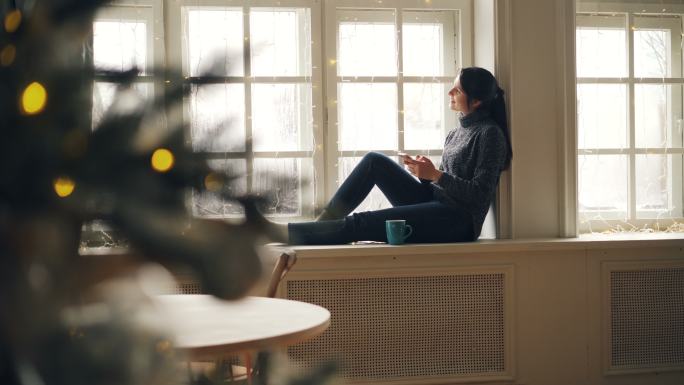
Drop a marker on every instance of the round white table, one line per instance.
(206, 327)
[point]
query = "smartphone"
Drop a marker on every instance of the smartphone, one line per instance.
(403, 156)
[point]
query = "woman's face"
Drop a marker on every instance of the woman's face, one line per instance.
(458, 100)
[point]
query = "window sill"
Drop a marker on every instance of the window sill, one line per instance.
(584, 242)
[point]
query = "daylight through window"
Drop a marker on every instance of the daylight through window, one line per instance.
(291, 94)
(629, 120)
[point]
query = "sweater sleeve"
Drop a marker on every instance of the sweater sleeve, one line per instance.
(448, 138)
(491, 154)
(441, 165)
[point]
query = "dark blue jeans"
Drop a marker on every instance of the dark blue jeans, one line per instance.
(413, 201)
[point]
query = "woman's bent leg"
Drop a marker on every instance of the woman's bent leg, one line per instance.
(375, 169)
(432, 222)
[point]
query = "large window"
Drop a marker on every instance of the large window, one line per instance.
(256, 115)
(125, 36)
(290, 94)
(629, 106)
(299, 90)
(123, 39)
(389, 71)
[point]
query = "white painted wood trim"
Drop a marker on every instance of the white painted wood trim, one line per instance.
(505, 211)
(606, 242)
(567, 144)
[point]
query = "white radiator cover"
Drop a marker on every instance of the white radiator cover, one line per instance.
(574, 312)
(389, 328)
(645, 316)
(431, 314)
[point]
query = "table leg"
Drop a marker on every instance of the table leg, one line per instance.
(248, 364)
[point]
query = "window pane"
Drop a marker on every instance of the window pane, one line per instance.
(429, 43)
(281, 117)
(218, 117)
(367, 43)
(422, 51)
(279, 182)
(659, 186)
(375, 200)
(103, 95)
(658, 46)
(367, 114)
(658, 115)
(424, 105)
(425, 49)
(215, 40)
(209, 204)
(602, 116)
(651, 53)
(120, 45)
(602, 52)
(603, 186)
(127, 100)
(280, 42)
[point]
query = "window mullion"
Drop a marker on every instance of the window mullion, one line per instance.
(400, 79)
(330, 42)
(247, 62)
(319, 112)
(252, 79)
(632, 212)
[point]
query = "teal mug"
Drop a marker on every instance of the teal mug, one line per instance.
(397, 231)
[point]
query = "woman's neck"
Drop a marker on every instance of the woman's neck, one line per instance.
(473, 117)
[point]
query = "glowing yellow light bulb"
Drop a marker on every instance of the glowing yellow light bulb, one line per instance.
(33, 98)
(64, 186)
(12, 21)
(164, 346)
(7, 55)
(212, 182)
(162, 160)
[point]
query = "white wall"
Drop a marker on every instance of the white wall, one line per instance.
(483, 34)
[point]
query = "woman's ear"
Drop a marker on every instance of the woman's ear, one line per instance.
(475, 104)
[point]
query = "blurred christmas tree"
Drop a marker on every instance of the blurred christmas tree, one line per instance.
(58, 173)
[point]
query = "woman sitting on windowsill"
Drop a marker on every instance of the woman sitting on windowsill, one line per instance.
(448, 204)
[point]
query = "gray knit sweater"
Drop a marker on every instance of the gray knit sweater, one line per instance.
(473, 158)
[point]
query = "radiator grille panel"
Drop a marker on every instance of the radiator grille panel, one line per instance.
(647, 318)
(188, 288)
(401, 327)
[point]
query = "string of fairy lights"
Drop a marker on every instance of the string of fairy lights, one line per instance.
(34, 98)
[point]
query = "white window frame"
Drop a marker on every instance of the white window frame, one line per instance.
(146, 11)
(176, 55)
(462, 30)
(631, 13)
(169, 21)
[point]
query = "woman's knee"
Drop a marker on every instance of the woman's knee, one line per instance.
(374, 158)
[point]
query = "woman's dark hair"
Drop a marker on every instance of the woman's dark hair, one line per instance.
(480, 84)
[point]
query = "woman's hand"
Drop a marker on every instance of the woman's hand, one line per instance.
(423, 168)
